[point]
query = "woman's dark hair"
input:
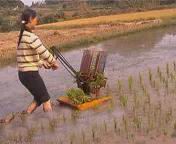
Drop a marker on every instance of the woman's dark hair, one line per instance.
(25, 17)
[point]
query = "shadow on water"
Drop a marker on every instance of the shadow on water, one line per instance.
(127, 55)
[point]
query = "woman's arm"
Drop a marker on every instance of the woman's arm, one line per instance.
(43, 52)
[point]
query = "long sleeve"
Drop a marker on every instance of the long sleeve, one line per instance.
(44, 54)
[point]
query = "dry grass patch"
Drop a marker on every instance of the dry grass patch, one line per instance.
(112, 19)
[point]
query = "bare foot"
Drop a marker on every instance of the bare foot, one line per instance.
(47, 107)
(32, 107)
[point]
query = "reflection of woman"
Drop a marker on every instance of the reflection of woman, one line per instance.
(30, 54)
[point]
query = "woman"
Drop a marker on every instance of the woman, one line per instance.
(31, 55)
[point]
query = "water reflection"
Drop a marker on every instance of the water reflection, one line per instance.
(137, 52)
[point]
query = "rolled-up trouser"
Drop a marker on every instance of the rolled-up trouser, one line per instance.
(34, 83)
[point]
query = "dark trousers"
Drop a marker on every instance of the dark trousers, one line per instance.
(34, 83)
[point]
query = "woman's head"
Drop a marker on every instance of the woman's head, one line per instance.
(29, 18)
(28, 22)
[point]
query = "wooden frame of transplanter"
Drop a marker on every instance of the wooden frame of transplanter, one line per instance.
(93, 63)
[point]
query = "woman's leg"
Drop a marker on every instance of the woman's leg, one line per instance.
(32, 107)
(26, 79)
(47, 107)
(35, 84)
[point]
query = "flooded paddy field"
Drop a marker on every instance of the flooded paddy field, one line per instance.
(138, 65)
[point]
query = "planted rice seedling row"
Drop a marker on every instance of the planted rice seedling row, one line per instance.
(145, 111)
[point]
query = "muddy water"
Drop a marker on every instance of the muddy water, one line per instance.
(127, 55)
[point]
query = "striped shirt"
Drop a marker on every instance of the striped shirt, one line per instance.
(31, 52)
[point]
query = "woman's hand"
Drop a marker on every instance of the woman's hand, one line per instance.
(46, 65)
(55, 66)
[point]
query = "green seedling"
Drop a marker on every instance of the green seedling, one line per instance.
(150, 75)
(31, 132)
(168, 116)
(42, 127)
(72, 138)
(172, 77)
(83, 137)
(175, 126)
(108, 91)
(115, 125)
(60, 141)
(98, 82)
(125, 123)
(148, 99)
(123, 100)
(174, 64)
(105, 127)
(130, 83)
(75, 115)
(16, 138)
(119, 86)
(23, 118)
(93, 134)
(135, 99)
(154, 83)
(155, 114)
(77, 96)
(167, 86)
(137, 122)
(160, 109)
(165, 132)
(52, 124)
(143, 88)
(159, 73)
(150, 121)
(167, 70)
(164, 80)
(140, 79)
(111, 106)
(64, 118)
